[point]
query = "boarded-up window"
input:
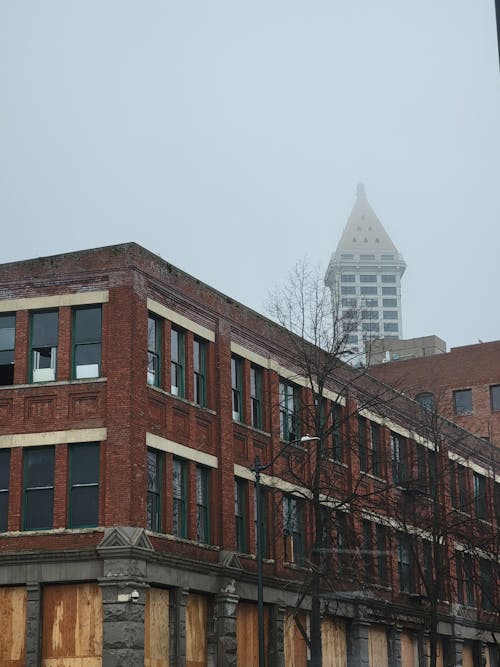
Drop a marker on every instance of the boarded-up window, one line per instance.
(333, 641)
(467, 655)
(12, 626)
(408, 650)
(196, 630)
(72, 625)
(295, 645)
(377, 646)
(156, 628)
(247, 634)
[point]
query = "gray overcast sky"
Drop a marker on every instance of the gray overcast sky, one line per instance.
(229, 137)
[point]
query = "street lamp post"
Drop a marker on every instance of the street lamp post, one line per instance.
(257, 469)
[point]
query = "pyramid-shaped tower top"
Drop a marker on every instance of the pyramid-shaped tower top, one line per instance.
(364, 240)
(364, 232)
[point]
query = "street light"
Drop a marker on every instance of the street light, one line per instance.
(257, 469)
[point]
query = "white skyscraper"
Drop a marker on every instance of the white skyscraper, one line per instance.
(364, 276)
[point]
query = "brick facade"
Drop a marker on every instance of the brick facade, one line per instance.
(157, 527)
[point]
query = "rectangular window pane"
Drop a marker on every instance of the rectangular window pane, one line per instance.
(38, 488)
(202, 508)
(347, 290)
(154, 352)
(263, 522)
(240, 515)
(289, 411)
(495, 397)
(87, 342)
(179, 493)
(347, 278)
(177, 356)
(7, 345)
(389, 303)
(256, 395)
(4, 488)
(199, 368)
(388, 279)
(376, 454)
(368, 290)
(462, 401)
(368, 278)
(293, 529)
(83, 485)
(237, 387)
(363, 454)
(390, 314)
(154, 463)
(44, 346)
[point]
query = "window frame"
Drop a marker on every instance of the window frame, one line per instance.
(290, 406)
(202, 504)
(4, 488)
(480, 496)
(179, 497)
(399, 446)
(75, 345)
(200, 371)
(256, 394)
(178, 362)
(293, 529)
(154, 496)
(27, 490)
(458, 410)
(72, 486)
(405, 566)
(495, 400)
(375, 433)
(240, 514)
(7, 354)
(35, 349)
(154, 351)
(237, 388)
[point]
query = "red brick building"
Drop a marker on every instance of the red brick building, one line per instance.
(464, 383)
(133, 402)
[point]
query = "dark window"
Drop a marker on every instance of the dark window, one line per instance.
(43, 345)
(154, 351)
(465, 578)
(38, 488)
(404, 564)
(177, 356)
(347, 278)
(390, 303)
(390, 314)
(371, 303)
(494, 395)
(462, 488)
(289, 411)
(368, 561)
(363, 449)
(382, 555)
(376, 453)
(83, 485)
(497, 501)
(369, 314)
(422, 468)
(348, 290)
(240, 513)
(200, 369)
(263, 522)
(480, 495)
(390, 326)
(256, 395)
(87, 334)
(293, 514)
(155, 464)
(179, 497)
(398, 458)
(337, 432)
(7, 345)
(427, 566)
(426, 400)
(486, 584)
(388, 290)
(342, 543)
(202, 505)
(237, 388)
(370, 278)
(388, 279)
(4, 488)
(462, 401)
(370, 326)
(365, 291)
(349, 303)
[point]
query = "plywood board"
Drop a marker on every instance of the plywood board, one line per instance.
(72, 626)
(156, 628)
(334, 643)
(295, 645)
(377, 646)
(196, 630)
(12, 626)
(467, 655)
(408, 650)
(247, 634)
